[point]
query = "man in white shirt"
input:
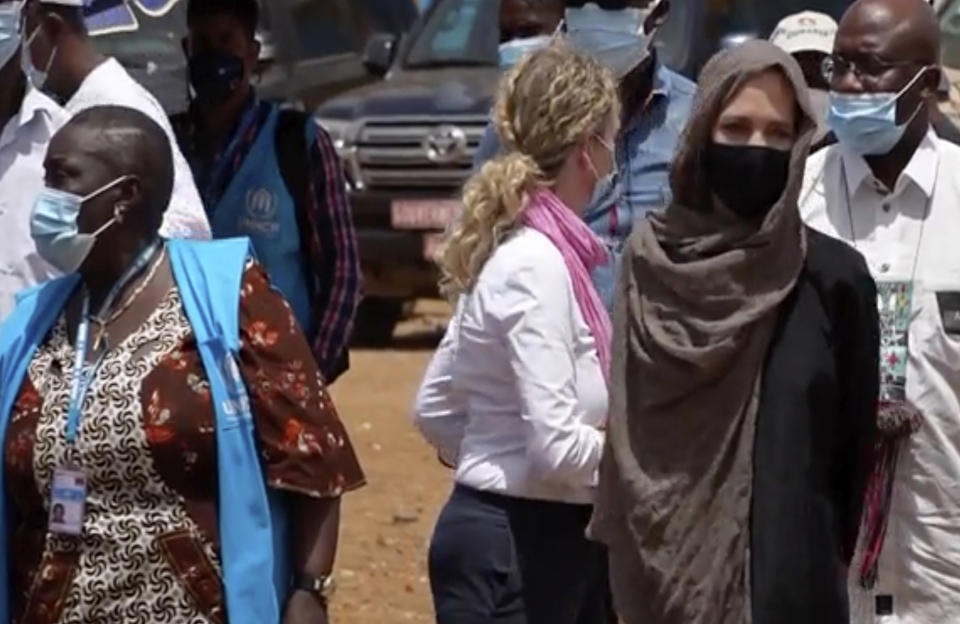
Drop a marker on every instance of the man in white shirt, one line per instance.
(890, 187)
(61, 60)
(28, 120)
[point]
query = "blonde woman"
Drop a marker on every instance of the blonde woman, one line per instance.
(516, 397)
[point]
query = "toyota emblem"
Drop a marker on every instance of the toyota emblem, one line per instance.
(445, 144)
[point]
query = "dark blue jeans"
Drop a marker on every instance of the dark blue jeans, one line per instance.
(501, 560)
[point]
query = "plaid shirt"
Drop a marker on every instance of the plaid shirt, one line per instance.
(331, 241)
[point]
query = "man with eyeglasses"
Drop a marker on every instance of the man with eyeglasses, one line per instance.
(656, 105)
(890, 188)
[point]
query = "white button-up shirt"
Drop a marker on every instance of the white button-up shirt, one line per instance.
(23, 147)
(911, 232)
(111, 85)
(515, 394)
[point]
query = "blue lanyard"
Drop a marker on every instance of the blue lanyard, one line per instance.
(224, 159)
(82, 374)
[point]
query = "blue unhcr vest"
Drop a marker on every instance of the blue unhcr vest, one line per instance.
(251, 519)
(258, 205)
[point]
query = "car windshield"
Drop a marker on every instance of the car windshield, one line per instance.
(457, 33)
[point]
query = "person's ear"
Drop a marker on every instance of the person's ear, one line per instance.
(658, 18)
(931, 81)
(584, 157)
(131, 195)
(53, 26)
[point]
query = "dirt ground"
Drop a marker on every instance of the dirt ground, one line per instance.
(386, 526)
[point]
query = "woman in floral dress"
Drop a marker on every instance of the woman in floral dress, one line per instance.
(149, 551)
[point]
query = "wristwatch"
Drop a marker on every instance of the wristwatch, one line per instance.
(321, 588)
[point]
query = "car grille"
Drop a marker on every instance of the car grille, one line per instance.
(416, 154)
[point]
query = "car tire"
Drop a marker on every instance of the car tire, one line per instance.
(377, 319)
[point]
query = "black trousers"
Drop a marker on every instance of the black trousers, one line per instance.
(501, 560)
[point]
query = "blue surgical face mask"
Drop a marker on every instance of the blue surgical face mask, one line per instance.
(616, 38)
(511, 52)
(37, 77)
(53, 226)
(867, 122)
(9, 31)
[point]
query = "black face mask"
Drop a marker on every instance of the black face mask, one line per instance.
(215, 76)
(747, 179)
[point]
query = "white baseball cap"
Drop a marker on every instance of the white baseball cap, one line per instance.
(808, 31)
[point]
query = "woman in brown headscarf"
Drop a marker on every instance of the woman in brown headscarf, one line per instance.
(744, 376)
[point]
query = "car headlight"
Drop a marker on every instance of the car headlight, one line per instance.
(342, 132)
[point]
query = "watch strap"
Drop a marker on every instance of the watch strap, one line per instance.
(322, 587)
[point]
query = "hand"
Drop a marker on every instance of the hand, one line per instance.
(303, 608)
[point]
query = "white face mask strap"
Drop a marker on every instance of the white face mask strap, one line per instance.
(915, 80)
(103, 228)
(609, 146)
(32, 36)
(106, 187)
(593, 167)
(53, 55)
(651, 9)
(559, 30)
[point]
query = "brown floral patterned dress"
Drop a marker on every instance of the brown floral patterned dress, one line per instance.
(149, 552)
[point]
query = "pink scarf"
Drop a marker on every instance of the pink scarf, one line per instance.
(581, 251)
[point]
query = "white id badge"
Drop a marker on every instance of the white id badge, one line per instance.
(67, 499)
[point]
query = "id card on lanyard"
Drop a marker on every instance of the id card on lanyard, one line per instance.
(896, 414)
(68, 495)
(894, 305)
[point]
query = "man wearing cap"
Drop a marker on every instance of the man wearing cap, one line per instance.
(60, 60)
(28, 120)
(808, 37)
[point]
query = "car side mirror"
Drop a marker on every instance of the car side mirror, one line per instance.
(379, 53)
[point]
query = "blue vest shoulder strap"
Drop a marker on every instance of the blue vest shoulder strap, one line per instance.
(35, 313)
(209, 276)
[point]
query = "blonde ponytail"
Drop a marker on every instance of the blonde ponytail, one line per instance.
(493, 201)
(545, 106)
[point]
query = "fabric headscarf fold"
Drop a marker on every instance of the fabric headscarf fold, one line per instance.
(582, 251)
(697, 305)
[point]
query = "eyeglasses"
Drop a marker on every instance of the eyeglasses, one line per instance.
(865, 66)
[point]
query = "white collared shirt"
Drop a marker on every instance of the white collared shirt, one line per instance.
(911, 232)
(111, 85)
(515, 394)
(23, 147)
